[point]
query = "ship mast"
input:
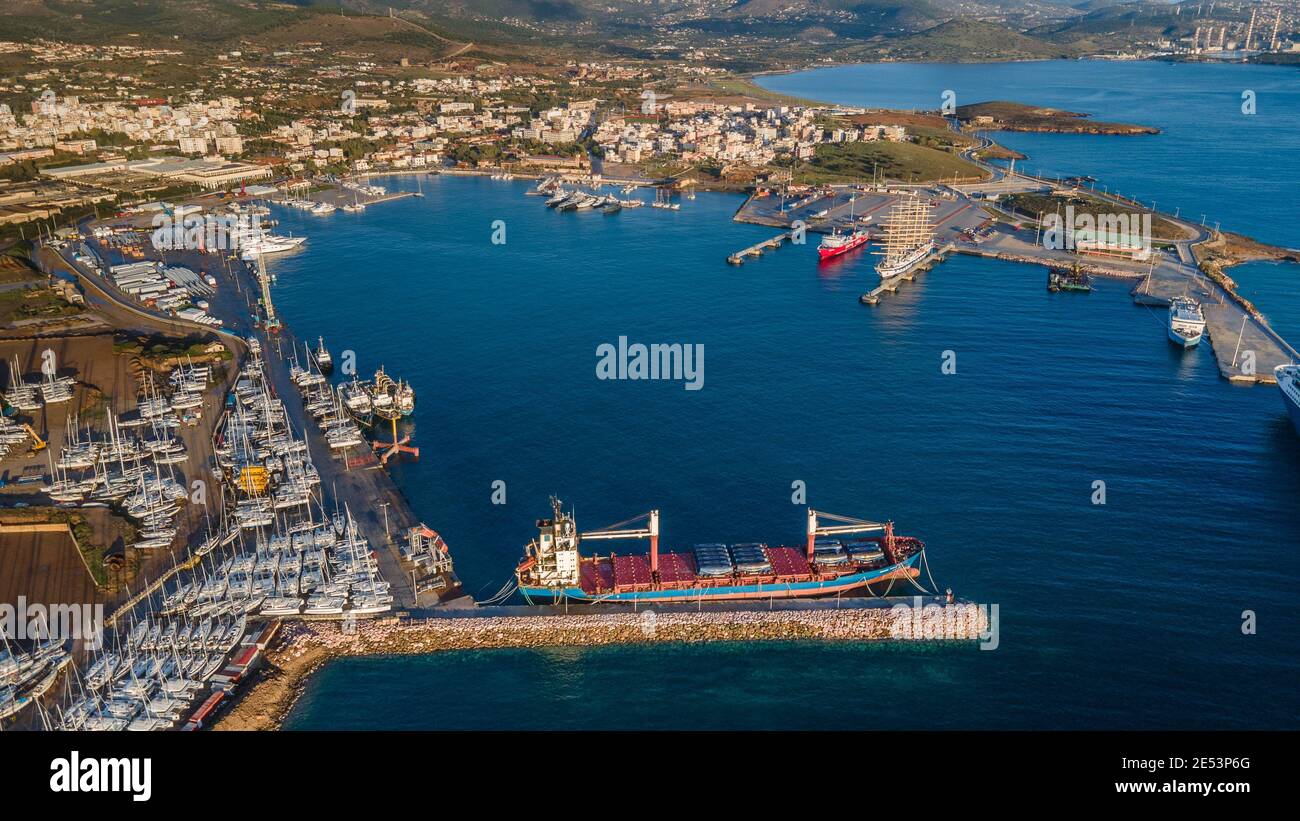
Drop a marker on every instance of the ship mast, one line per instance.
(907, 228)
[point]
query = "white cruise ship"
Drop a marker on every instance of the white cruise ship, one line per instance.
(1288, 380)
(1186, 322)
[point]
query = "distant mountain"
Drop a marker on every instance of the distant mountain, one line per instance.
(974, 40)
(1116, 25)
(224, 24)
(742, 33)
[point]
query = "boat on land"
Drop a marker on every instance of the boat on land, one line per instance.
(835, 244)
(1288, 381)
(555, 569)
(1186, 322)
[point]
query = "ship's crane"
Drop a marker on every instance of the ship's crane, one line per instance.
(617, 531)
(849, 526)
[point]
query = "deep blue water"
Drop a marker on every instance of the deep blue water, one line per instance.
(1122, 615)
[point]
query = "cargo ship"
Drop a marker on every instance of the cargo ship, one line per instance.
(832, 245)
(554, 569)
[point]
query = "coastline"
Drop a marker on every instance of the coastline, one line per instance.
(303, 648)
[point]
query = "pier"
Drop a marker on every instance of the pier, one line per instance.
(303, 647)
(1246, 348)
(757, 249)
(890, 285)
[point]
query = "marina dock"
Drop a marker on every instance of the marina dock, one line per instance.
(890, 285)
(757, 249)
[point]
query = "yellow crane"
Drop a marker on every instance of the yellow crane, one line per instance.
(38, 444)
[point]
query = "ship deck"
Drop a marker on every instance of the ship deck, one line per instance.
(601, 575)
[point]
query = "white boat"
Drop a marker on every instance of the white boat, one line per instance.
(57, 389)
(369, 605)
(324, 606)
(1186, 322)
(281, 606)
(1288, 381)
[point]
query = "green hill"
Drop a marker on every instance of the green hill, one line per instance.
(974, 40)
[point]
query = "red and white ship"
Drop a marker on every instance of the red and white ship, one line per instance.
(833, 245)
(555, 569)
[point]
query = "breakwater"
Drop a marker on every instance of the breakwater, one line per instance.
(303, 647)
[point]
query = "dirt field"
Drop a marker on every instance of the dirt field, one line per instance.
(106, 379)
(45, 568)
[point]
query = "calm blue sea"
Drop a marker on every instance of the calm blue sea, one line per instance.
(1122, 615)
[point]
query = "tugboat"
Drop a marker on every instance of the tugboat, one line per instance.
(323, 359)
(1069, 279)
(356, 398)
(554, 568)
(405, 398)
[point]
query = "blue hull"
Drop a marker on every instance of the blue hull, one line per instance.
(793, 590)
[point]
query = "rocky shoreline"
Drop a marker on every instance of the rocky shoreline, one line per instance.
(302, 648)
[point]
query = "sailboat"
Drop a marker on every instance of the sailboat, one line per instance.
(909, 237)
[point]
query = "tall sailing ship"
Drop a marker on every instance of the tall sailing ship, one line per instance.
(909, 237)
(554, 568)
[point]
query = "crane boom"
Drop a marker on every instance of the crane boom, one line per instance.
(850, 525)
(650, 531)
